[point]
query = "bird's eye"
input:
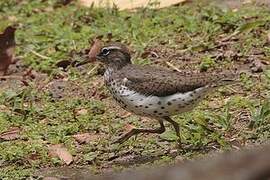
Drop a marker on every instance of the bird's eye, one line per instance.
(105, 51)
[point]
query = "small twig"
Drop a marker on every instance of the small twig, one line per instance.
(74, 44)
(39, 55)
(173, 67)
(227, 38)
(94, 68)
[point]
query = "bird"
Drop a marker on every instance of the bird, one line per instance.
(154, 92)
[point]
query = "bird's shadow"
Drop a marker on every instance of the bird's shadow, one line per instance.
(130, 158)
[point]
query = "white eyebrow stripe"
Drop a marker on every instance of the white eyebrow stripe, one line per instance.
(112, 47)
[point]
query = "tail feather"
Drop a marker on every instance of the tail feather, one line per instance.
(230, 76)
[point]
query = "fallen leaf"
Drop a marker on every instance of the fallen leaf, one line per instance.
(95, 48)
(93, 52)
(7, 49)
(129, 127)
(82, 112)
(61, 152)
(86, 138)
(11, 134)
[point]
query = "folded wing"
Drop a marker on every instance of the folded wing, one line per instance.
(162, 82)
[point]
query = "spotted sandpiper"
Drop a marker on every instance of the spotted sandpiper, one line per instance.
(153, 92)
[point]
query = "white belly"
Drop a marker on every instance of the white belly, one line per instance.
(155, 106)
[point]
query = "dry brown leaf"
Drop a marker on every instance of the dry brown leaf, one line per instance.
(95, 48)
(93, 52)
(12, 134)
(86, 137)
(82, 112)
(129, 127)
(61, 152)
(7, 49)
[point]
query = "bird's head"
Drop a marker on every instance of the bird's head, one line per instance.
(114, 55)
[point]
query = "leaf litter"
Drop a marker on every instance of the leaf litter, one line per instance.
(12, 134)
(85, 138)
(59, 151)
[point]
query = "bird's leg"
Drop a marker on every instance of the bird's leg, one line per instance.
(136, 131)
(176, 127)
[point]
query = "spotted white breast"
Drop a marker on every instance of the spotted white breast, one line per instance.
(155, 106)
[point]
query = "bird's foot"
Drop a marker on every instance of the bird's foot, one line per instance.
(121, 140)
(126, 136)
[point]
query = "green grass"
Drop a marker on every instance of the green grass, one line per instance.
(239, 113)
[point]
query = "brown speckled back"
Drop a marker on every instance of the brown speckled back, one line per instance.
(162, 82)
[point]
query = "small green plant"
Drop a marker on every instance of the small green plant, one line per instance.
(260, 115)
(225, 120)
(247, 81)
(207, 62)
(141, 61)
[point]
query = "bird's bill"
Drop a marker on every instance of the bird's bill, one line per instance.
(82, 63)
(89, 60)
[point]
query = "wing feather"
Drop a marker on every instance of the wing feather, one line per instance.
(162, 82)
